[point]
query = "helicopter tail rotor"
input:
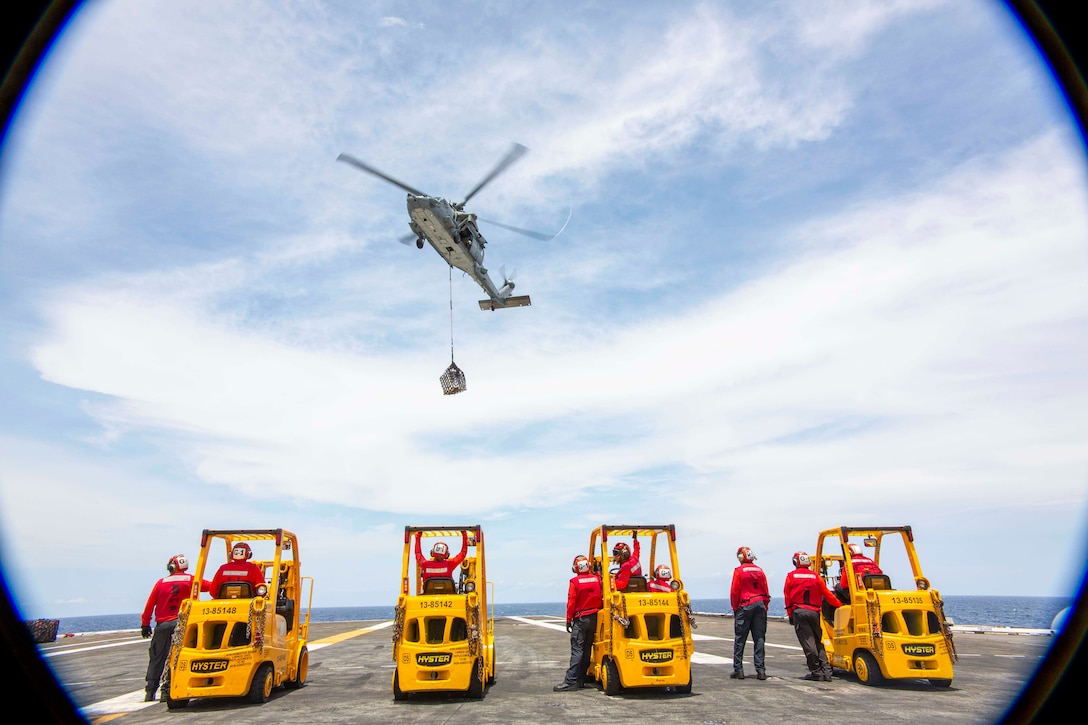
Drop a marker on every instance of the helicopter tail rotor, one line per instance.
(504, 299)
(507, 282)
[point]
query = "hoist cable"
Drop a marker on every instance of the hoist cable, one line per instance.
(451, 314)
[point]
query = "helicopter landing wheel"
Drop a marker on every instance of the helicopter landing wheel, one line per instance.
(419, 244)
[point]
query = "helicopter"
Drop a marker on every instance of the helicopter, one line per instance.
(454, 234)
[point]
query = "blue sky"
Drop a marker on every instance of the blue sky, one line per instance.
(825, 265)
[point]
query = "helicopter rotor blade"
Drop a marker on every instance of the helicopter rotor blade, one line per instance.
(515, 153)
(526, 232)
(531, 233)
(347, 158)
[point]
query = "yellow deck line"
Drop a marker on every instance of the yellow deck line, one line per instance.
(347, 635)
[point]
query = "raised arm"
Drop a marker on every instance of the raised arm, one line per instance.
(420, 559)
(464, 550)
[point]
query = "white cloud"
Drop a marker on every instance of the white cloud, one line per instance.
(937, 311)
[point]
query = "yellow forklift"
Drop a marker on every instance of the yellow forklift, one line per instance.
(443, 633)
(643, 637)
(249, 638)
(881, 631)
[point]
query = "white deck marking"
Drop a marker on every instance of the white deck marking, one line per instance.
(129, 702)
(699, 657)
(705, 637)
(540, 623)
(91, 648)
(702, 658)
(134, 701)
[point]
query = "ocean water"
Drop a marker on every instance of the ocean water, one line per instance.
(1023, 612)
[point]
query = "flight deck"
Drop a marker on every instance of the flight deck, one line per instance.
(351, 670)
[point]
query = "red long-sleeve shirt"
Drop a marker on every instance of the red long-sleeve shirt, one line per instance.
(583, 596)
(442, 568)
(749, 584)
(631, 567)
(806, 590)
(166, 598)
(238, 571)
(863, 565)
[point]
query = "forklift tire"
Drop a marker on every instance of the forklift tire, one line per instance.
(172, 704)
(261, 688)
(475, 684)
(940, 683)
(686, 689)
(399, 695)
(867, 669)
(300, 671)
(611, 682)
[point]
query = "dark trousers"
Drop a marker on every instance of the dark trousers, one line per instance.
(750, 618)
(581, 647)
(806, 623)
(160, 648)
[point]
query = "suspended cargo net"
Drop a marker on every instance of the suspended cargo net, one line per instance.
(453, 380)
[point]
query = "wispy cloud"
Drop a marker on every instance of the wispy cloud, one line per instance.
(841, 331)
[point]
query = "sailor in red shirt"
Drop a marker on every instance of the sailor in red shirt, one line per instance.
(805, 593)
(629, 565)
(583, 602)
(662, 581)
(440, 565)
(862, 565)
(238, 569)
(749, 597)
(164, 602)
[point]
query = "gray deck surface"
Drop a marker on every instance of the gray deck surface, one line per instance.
(350, 682)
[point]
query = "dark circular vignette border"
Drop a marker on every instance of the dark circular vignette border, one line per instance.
(27, 31)
(31, 26)
(1059, 37)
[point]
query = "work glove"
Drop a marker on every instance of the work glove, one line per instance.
(570, 626)
(790, 617)
(145, 632)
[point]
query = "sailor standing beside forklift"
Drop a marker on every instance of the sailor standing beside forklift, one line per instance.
(584, 600)
(805, 593)
(164, 602)
(749, 596)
